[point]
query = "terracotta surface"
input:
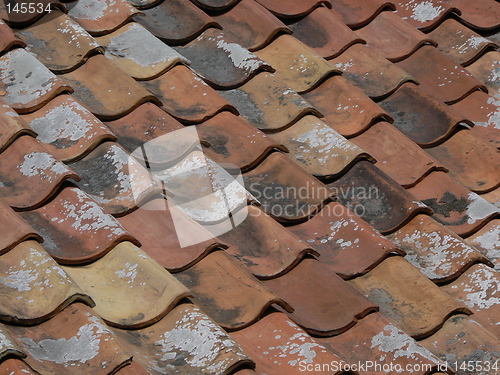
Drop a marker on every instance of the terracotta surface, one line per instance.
(8, 39)
(407, 297)
(128, 48)
(67, 129)
(23, 19)
(14, 229)
(232, 297)
(424, 14)
(215, 4)
(12, 126)
(482, 15)
(487, 241)
(111, 94)
(493, 197)
(15, 367)
(485, 69)
(268, 103)
(134, 368)
(357, 13)
(370, 72)
(9, 348)
(296, 64)
(186, 97)
(346, 108)
(291, 8)
(250, 24)
(30, 175)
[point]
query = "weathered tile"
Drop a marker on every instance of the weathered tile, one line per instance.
(8, 39)
(285, 191)
(250, 24)
(324, 32)
(28, 84)
(15, 16)
(397, 155)
(487, 241)
(291, 8)
(186, 96)
(140, 4)
(482, 15)
(14, 229)
(319, 149)
(439, 253)
(29, 174)
(111, 93)
(8, 349)
(370, 72)
(357, 13)
(215, 4)
(15, 367)
(424, 14)
(84, 346)
(323, 303)
(67, 129)
(268, 103)
(175, 21)
(134, 368)
(12, 126)
(493, 197)
(376, 198)
(407, 297)
(33, 288)
(232, 297)
(486, 70)
(439, 76)
(346, 108)
(186, 342)
(296, 64)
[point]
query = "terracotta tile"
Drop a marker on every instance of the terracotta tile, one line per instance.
(14, 229)
(346, 108)
(28, 84)
(375, 338)
(232, 297)
(370, 72)
(111, 94)
(439, 253)
(346, 243)
(455, 206)
(324, 32)
(439, 76)
(134, 368)
(357, 13)
(460, 43)
(8, 39)
(33, 287)
(130, 289)
(59, 42)
(308, 289)
(268, 103)
(486, 70)
(250, 24)
(424, 14)
(12, 126)
(291, 8)
(8, 349)
(223, 63)
(464, 154)
(397, 155)
(493, 197)
(141, 4)
(215, 4)
(175, 21)
(285, 191)
(423, 119)
(15, 367)
(22, 19)
(487, 241)
(85, 345)
(484, 111)
(295, 63)
(407, 297)
(129, 48)
(101, 16)
(319, 149)
(67, 129)
(376, 198)
(30, 175)
(393, 38)
(279, 346)
(482, 15)
(186, 341)
(186, 96)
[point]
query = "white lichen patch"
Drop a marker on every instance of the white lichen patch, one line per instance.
(129, 273)
(77, 34)
(473, 42)
(90, 9)
(479, 208)
(42, 165)
(240, 57)
(6, 342)
(494, 116)
(424, 11)
(482, 288)
(490, 241)
(345, 66)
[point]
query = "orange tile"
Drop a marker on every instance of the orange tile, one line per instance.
(12, 126)
(15, 229)
(357, 13)
(8, 39)
(482, 15)
(291, 8)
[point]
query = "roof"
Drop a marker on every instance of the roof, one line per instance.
(350, 149)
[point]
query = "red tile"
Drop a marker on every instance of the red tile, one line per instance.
(15, 367)
(215, 4)
(9, 349)
(15, 229)
(291, 8)
(487, 241)
(357, 13)
(482, 15)
(12, 126)
(7, 38)
(486, 70)
(424, 14)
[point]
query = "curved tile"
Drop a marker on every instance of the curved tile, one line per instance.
(324, 32)
(295, 63)
(292, 8)
(8, 39)
(267, 103)
(130, 289)
(233, 298)
(250, 24)
(223, 63)
(370, 72)
(424, 14)
(439, 76)
(215, 4)
(487, 241)
(308, 289)
(15, 367)
(101, 16)
(186, 96)
(12, 126)
(185, 341)
(8, 349)
(28, 84)
(22, 19)
(439, 253)
(30, 175)
(487, 69)
(376, 198)
(357, 13)
(398, 156)
(33, 288)
(67, 129)
(14, 229)
(319, 149)
(111, 93)
(482, 15)
(346, 108)
(134, 368)
(407, 297)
